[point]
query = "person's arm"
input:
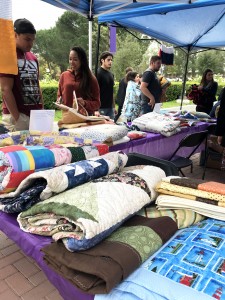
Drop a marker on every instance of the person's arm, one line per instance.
(220, 128)
(147, 93)
(7, 94)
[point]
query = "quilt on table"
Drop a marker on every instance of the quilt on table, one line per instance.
(83, 216)
(197, 189)
(190, 266)
(59, 179)
(183, 217)
(99, 269)
(105, 133)
(154, 122)
(17, 161)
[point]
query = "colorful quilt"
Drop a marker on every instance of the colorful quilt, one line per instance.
(85, 215)
(190, 266)
(17, 161)
(27, 137)
(59, 179)
(99, 269)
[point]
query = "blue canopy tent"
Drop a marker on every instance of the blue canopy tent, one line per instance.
(191, 27)
(94, 8)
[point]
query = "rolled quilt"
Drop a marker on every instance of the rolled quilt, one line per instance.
(59, 179)
(17, 161)
(99, 269)
(85, 215)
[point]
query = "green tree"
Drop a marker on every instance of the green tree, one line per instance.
(211, 59)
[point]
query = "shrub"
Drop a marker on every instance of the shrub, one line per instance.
(49, 93)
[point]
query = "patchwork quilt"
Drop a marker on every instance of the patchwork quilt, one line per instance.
(99, 269)
(206, 198)
(190, 266)
(154, 122)
(85, 215)
(17, 161)
(59, 179)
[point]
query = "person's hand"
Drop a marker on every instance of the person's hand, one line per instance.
(97, 114)
(219, 140)
(58, 101)
(151, 102)
(200, 87)
(81, 101)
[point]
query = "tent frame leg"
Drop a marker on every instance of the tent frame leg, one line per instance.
(185, 77)
(97, 48)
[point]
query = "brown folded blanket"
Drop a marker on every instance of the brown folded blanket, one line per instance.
(102, 267)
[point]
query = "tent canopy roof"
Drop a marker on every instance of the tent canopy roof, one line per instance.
(94, 8)
(191, 26)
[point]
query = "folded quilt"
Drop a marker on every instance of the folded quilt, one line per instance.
(85, 215)
(60, 179)
(17, 161)
(189, 266)
(105, 133)
(99, 269)
(154, 122)
(193, 189)
(183, 217)
(205, 208)
(27, 137)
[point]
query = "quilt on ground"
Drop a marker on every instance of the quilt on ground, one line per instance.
(85, 215)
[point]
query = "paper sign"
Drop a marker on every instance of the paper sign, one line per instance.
(157, 107)
(42, 120)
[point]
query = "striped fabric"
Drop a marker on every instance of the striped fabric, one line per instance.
(8, 58)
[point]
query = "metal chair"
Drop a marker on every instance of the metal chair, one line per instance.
(209, 152)
(190, 140)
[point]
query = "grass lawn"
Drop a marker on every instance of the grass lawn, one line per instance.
(173, 104)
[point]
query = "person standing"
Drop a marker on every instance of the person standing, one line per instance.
(121, 93)
(21, 93)
(151, 90)
(220, 128)
(208, 88)
(106, 82)
(79, 79)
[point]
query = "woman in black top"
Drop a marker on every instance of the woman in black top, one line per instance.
(208, 89)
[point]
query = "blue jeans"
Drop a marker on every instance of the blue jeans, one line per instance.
(146, 108)
(107, 112)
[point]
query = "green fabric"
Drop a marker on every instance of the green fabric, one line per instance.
(142, 238)
(72, 204)
(77, 154)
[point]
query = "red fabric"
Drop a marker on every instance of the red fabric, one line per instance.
(102, 149)
(12, 148)
(15, 179)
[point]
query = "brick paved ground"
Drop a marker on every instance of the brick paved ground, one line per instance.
(21, 278)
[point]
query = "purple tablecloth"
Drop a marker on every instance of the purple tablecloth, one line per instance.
(156, 145)
(31, 245)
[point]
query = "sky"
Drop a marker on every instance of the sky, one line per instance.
(41, 14)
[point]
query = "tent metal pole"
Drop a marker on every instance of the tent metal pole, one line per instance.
(185, 78)
(90, 43)
(97, 48)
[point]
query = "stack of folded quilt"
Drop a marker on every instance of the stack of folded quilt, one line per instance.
(159, 123)
(206, 198)
(84, 215)
(17, 161)
(189, 266)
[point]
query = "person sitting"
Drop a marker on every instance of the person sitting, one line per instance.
(213, 112)
(79, 82)
(207, 88)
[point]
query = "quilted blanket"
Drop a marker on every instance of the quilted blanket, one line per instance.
(154, 122)
(99, 269)
(83, 216)
(17, 161)
(41, 185)
(190, 266)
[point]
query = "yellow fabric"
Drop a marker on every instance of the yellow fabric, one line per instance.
(8, 58)
(190, 191)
